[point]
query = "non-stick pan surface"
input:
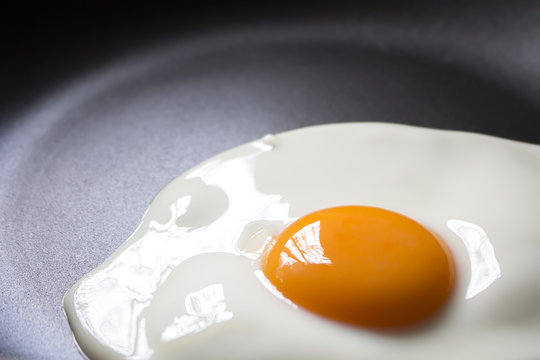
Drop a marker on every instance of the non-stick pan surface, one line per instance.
(94, 126)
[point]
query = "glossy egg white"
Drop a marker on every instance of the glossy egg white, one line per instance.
(187, 284)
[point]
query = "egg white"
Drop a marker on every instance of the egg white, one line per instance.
(187, 283)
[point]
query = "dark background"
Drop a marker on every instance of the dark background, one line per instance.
(45, 43)
(102, 105)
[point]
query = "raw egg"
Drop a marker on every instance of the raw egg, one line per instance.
(340, 241)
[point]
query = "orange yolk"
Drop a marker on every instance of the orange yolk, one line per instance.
(361, 265)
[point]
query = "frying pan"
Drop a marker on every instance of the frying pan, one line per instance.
(100, 111)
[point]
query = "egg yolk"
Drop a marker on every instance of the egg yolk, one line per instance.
(361, 265)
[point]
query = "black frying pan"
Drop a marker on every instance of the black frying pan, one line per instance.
(101, 107)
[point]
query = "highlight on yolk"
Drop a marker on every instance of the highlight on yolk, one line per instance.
(361, 265)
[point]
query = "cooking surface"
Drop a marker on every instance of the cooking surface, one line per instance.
(85, 147)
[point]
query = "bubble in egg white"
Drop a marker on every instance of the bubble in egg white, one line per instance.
(188, 284)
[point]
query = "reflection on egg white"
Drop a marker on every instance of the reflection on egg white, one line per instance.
(485, 268)
(204, 308)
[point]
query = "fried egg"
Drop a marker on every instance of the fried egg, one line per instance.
(340, 241)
